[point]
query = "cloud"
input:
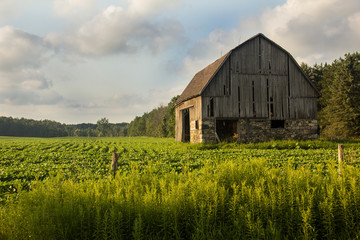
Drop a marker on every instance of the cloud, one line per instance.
(21, 97)
(312, 31)
(150, 8)
(119, 30)
(21, 78)
(74, 10)
(18, 48)
(315, 30)
(8, 8)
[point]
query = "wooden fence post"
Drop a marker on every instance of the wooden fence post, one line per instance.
(340, 156)
(114, 161)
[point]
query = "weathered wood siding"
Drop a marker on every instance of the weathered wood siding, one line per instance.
(194, 106)
(303, 97)
(260, 80)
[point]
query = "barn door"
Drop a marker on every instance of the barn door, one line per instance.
(185, 125)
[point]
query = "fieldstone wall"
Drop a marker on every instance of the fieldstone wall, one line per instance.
(208, 131)
(254, 130)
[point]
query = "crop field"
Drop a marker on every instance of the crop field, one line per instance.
(63, 188)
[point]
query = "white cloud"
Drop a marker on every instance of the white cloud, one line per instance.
(117, 30)
(309, 29)
(21, 78)
(18, 48)
(150, 7)
(74, 10)
(354, 23)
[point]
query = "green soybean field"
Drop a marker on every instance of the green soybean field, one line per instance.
(64, 188)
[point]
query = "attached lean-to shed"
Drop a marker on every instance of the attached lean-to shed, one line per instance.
(255, 92)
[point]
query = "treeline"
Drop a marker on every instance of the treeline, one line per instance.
(160, 122)
(21, 127)
(31, 128)
(339, 103)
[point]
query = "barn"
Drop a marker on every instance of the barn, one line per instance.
(255, 92)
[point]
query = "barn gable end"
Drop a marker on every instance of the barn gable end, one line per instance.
(255, 89)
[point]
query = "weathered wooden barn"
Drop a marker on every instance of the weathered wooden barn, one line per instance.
(255, 92)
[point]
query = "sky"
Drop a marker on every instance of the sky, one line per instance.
(77, 61)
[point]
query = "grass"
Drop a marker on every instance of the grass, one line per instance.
(181, 191)
(220, 201)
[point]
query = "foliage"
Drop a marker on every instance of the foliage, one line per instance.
(166, 190)
(340, 101)
(25, 159)
(339, 104)
(46, 128)
(103, 127)
(168, 121)
(31, 128)
(159, 122)
(314, 73)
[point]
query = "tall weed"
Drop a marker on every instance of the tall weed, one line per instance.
(221, 200)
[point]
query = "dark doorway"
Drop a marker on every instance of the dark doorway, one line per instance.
(227, 130)
(186, 125)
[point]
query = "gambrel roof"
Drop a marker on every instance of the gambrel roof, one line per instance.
(203, 77)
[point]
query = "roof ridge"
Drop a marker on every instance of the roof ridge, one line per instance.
(202, 78)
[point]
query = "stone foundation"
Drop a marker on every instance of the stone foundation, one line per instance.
(208, 131)
(253, 130)
(257, 130)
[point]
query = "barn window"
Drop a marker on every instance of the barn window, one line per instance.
(196, 124)
(271, 107)
(237, 66)
(211, 112)
(277, 123)
(224, 90)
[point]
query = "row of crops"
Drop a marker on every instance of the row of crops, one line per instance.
(26, 159)
(63, 188)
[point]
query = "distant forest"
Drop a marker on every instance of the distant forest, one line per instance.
(160, 122)
(46, 128)
(338, 110)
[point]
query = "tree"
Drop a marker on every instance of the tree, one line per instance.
(103, 127)
(168, 123)
(137, 126)
(314, 73)
(340, 100)
(160, 122)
